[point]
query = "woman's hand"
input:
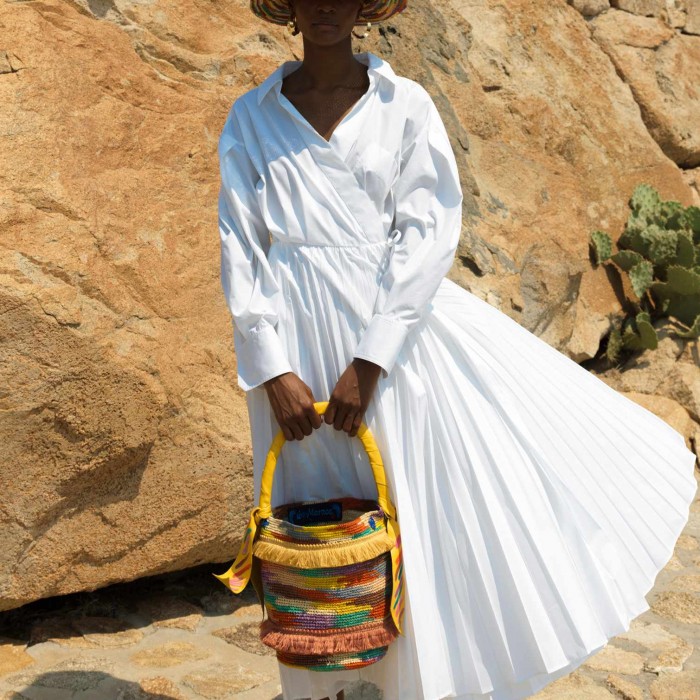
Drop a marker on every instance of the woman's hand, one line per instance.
(293, 404)
(350, 397)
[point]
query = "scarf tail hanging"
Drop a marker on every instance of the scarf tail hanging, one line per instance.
(236, 577)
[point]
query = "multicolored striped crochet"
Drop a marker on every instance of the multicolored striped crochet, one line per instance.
(279, 12)
(360, 535)
(333, 590)
(336, 662)
(327, 589)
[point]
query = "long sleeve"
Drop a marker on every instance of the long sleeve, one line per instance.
(427, 227)
(251, 290)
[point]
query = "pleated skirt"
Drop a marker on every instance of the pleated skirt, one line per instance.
(536, 504)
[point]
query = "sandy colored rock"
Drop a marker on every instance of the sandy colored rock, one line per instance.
(124, 453)
(574, 687)
(679, 606)
(671, 660)
(687, 542)
(686, 582)
(675, 13)
(590, 8)
(13, 656)
(169, 654)
(662, 68)
(221, 682)
(670, 651)
(674, 564)
(86, 632)
(252, 610)
(648, 8)
(171, 611)
(116, 674)
(125, 436)
(665, 381)
(624, 687)
(59, 630)
(535, 276)
(692, 23)
(107, 632)
(75, 674)
(245, 636)
(649, 635)
(611, 658)
(158, 688)
(681, 686)
(692, 179)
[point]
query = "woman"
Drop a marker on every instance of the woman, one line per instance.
(536, 504)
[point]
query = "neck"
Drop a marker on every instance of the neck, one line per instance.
(325, 67)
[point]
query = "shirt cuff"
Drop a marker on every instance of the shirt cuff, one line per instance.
(381, 342)
(259, 358)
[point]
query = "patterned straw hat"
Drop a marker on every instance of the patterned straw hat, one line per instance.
(279, 12)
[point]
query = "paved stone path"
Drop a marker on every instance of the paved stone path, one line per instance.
(183, 636)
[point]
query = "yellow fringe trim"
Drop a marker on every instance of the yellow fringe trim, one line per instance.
(337, 544)
(335, 555)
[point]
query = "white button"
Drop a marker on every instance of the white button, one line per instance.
(394, 237)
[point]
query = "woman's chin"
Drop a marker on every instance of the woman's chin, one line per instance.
(324, 35)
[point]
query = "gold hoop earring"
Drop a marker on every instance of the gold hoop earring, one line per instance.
(366, 34)
(292, 26)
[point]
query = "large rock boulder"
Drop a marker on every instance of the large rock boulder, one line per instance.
(125, 438)
(125, 447)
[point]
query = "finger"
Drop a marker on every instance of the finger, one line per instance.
(356, 425)
(329, 415)
(305, 424)
(296, 430)
(340, 416)
(347, 423)
(311, 411)
(288, 435)
(314, 417)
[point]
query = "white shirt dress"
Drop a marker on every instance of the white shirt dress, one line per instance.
(536, 503)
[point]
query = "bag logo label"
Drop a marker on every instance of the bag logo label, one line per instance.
(330, 511)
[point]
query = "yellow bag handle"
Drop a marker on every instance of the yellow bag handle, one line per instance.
(237, 576)
(375, 461)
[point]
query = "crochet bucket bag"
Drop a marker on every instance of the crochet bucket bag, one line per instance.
(329, 574)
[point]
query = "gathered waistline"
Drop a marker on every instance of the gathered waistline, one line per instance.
(298, 244)
(390, 241)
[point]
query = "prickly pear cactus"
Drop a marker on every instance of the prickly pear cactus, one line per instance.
(659, 250)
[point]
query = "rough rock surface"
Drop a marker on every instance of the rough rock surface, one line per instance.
(125, 438)
(662, 68)
(107, 644)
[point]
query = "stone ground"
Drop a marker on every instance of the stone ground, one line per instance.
(183, 636)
